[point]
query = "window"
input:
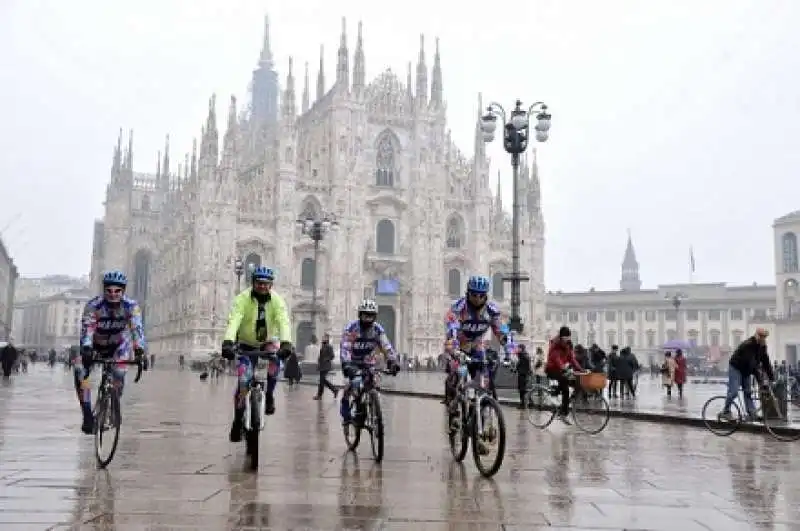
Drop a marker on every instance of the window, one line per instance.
(789, 244)
(591, 338)
(737, 315)
(651, 338)
(671, 315)
(693, 336)
(736, 336)
(498, 291)
(713, 338)
(454, 282)
(572, 317)
(714, 315)
(308, 271)
(650, 316)
(611, 337)
(591, 317)
(455, 232)
(630, 316)
(384, 237)
(611, 316)
(759, 313)
(672, 335)
(384, 162)
(145, 203)
(630, 338)
(548, 316)
(692, 315)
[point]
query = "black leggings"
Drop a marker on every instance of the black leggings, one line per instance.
(563, 388)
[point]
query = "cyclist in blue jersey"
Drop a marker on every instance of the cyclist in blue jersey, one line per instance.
(467, 322)
(360, 339)
(111, 327)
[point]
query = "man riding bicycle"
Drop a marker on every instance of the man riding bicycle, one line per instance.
(561, 366)
(257, 314)
(467, 322)
(360, 339)
(111, 327)
(750, 358)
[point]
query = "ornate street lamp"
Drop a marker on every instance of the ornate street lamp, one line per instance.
(676, 299)
(316, 228)
(238, 270)
(516, 134)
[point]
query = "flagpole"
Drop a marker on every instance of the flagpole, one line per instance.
(691, 264)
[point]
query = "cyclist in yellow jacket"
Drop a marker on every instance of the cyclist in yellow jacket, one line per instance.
(257, 315)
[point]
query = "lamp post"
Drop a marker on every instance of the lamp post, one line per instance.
(316, 228)
(238, 270)
(516, 134)
(676, 299)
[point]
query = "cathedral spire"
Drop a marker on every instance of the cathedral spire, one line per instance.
(480, 145)
(422, 73)
(410, 85)
(343, 61)
(164, 182)
(436, 82)
(321, 73)
(305, 90)
(359, 68)
(265, 60)
(498, 198)
(229, 141)
(289, 98)
(193, 169)
(158, 167)
(630, 280)
(129, 152)
(211, 140)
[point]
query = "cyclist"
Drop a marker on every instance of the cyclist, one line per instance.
(111, 327)
(360, 339)
(561, 363)
(257, 314)
(467, 322)
(750, 358)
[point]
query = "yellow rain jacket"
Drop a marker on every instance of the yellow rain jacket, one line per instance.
(242, 319)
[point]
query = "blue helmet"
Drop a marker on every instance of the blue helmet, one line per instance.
(263, 273)
(478, 284)
(115, 278)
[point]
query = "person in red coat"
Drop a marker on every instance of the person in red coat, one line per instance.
(560, 359)
(680, 371)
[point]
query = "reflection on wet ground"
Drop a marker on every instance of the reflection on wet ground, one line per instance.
(175, 469)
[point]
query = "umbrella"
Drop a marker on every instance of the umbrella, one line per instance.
(674, 344)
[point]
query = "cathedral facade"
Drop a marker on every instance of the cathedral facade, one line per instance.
(415, 216)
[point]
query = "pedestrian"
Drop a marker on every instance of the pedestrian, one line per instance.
(668, 373)
(680, 371)
(524, 371)
(325, 366)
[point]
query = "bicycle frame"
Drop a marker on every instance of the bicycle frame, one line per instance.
(257, 386)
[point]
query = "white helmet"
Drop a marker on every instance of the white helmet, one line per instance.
(368, 306)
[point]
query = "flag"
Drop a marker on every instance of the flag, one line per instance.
(691, 258)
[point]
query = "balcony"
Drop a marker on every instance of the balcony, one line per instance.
(775, 318)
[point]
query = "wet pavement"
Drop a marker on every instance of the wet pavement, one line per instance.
(176, 470)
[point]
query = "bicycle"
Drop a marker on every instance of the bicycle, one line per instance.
(107, 411)
(774, 424)
(466, 413)
(365, 411)
(255, 398)
(586, 397)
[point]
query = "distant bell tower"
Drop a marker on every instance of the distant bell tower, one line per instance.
(630, 269)
(265, 85)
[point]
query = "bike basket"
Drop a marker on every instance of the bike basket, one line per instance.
(594, 381)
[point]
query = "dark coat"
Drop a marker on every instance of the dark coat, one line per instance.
(325, 361)
(750, 356)
(292, 370)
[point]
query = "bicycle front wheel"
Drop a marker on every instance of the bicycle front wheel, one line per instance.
(776, 419)
(716, 422)
(107, 422)
(590, 412)
(541, 407)
(489, 436)
(457, 432)
(376, 425)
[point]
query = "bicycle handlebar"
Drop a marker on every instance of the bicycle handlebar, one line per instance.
(105, 361)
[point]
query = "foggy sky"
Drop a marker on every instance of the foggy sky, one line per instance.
(676, 119)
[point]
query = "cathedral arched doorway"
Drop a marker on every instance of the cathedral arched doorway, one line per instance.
(141, 280)
(305, 329)
(387, 317)
(251, 261)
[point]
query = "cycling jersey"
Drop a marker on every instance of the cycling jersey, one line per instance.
(467, 326)
(252, 323)
(112, 329)
(357, 344)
